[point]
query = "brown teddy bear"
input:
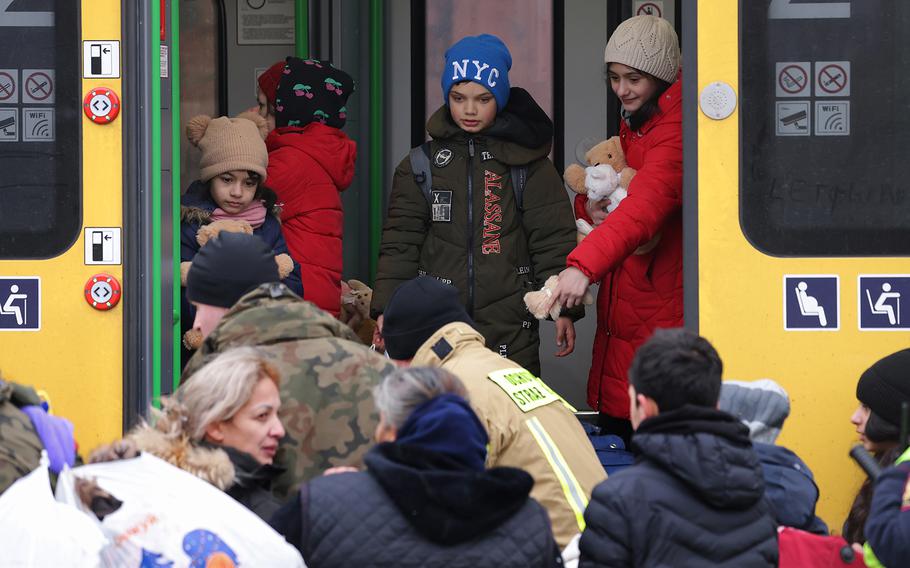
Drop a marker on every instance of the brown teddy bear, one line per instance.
(541, 305)
(192, 339)
(607, 176)
(355, 309)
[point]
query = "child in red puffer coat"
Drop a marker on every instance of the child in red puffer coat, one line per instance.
(311, 161)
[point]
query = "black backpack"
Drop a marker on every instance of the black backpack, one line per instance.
(423, 175)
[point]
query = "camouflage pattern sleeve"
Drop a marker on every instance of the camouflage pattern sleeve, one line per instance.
(20, 447)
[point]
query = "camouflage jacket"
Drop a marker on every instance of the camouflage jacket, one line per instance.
(327, 379)
(20, 447)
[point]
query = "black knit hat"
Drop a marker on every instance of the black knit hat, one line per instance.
(416, 310)
(311, 90)
(885, 385)
(229, 266)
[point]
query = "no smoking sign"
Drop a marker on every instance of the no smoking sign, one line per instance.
(832, 78)
(793, 79)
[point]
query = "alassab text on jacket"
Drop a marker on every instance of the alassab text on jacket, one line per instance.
(638, 293)
(693, 499)
(327, 379)
(417, 508)
(888, 525)
(475, 238)
(547, 441)
(309, 167)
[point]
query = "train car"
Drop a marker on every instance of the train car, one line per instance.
(796, 213)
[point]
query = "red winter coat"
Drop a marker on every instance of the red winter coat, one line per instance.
(308, 168)
(638, 293)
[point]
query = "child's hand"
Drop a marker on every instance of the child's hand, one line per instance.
(597, 210)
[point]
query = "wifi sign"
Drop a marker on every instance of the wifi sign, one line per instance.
(832, 118)
(37, 125)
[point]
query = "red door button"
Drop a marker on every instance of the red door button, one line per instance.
(101, 105)
(102, 292)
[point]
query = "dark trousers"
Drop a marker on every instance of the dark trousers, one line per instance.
(616, 426)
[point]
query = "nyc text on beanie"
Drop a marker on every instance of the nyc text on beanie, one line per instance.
(482, 59)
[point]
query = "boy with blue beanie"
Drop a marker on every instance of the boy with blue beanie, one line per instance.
(483, 208)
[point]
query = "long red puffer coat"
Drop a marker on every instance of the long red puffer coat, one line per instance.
(638, 293)
(309, 167)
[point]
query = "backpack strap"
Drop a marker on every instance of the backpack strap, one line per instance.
(420, 167)
(519, 179)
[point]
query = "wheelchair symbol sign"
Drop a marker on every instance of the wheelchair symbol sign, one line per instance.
(883, 302)
(811, 302)
(20, 303)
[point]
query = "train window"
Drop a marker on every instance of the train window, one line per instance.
(525, 26)
(40, 121)
(825, 127)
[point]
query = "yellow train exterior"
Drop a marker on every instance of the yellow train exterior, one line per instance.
(741, 291)
(76, 354)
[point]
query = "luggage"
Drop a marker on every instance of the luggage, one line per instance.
(801, 549)
(610, 449)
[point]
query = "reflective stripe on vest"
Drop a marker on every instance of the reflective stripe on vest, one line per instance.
(572, 490)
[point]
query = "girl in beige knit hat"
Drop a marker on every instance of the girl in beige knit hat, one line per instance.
(230, 186)
(639, 292)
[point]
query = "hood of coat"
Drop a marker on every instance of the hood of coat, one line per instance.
(445, 501)
(521, 133)
(268, 315)
(329, 147)
(790, 487)
(207, 462)
(706, 449)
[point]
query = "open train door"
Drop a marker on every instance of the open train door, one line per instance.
(797, 205)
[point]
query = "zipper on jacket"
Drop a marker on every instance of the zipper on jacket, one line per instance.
(603, 357)
(471, 227)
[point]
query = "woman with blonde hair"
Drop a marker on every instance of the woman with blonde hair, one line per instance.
(221, 425)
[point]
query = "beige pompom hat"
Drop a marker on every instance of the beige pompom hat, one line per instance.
(230, 144)
(646, 43)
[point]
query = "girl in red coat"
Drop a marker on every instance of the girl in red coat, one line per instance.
(639, 290)
(311, 161)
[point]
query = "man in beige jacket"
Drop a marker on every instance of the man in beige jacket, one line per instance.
(529, 425)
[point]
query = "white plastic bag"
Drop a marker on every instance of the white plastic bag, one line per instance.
(36, 530)
(172, 518)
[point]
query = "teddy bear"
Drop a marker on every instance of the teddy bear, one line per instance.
(192, 339)
(541, 305)
(355, 309)
(607, 176)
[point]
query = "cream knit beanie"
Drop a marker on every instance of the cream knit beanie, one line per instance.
(230, 144)
(646, 43)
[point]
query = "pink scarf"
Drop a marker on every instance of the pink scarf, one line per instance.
(254, 214)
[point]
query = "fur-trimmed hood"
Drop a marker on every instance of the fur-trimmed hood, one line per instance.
(208, 463)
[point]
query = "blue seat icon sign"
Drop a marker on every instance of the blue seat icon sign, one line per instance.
(20, 304)
(883, 302)
(811, 302)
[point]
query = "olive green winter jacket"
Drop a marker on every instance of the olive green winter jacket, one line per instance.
(490, 251)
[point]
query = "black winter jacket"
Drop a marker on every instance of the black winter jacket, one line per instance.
(489, 250)
(252, 486)
(694, 498)
(414, 507)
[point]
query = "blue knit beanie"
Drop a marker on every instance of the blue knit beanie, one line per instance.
(447, 424)
(483, 59)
